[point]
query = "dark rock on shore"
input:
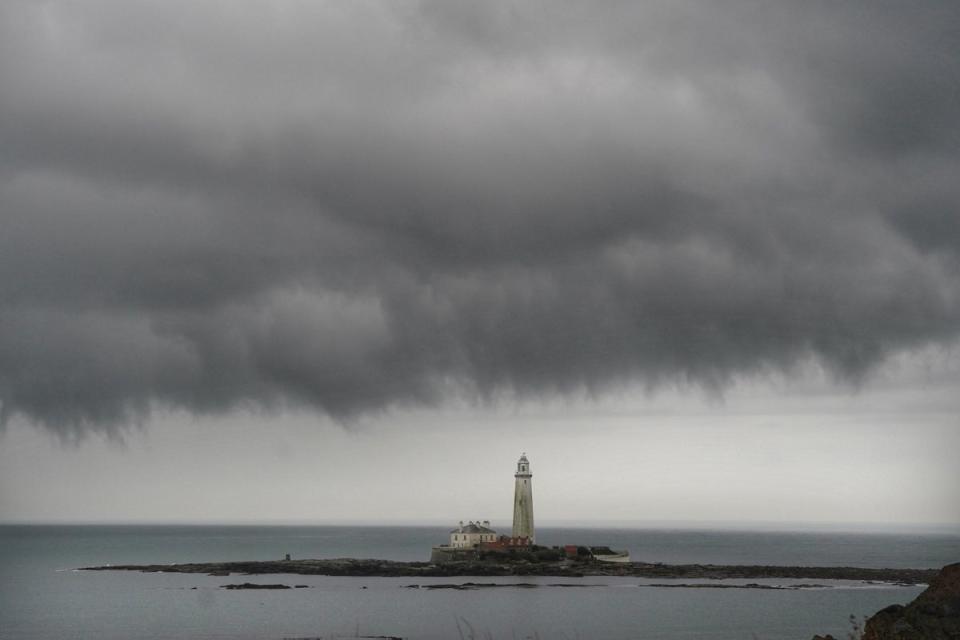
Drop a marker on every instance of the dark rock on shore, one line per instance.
(751, 585)
(933, 615)
(561, 569)
(251, 585)
(469, 586)
(903, 576)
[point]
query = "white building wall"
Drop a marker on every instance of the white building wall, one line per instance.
(470, 540)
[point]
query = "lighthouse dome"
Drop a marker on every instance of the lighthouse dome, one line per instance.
(523, 465)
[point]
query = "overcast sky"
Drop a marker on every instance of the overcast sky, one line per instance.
(345, 261)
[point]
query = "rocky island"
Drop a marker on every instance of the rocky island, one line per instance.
(525, 567)
(475, 550)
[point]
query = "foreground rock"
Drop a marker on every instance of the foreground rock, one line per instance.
(934, 615)
(387, 568)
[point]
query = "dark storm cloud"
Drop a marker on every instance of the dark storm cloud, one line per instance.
(370, 204)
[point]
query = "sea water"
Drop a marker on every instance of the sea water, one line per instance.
(43, 596)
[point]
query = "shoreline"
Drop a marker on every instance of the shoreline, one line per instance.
(391, 569)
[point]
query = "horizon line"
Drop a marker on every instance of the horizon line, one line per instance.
(770, 526)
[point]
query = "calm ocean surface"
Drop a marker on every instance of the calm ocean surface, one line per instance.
(41, 596)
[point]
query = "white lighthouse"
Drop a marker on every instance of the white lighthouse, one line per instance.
(523, 501)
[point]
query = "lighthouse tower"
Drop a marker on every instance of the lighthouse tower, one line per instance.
(523, 501)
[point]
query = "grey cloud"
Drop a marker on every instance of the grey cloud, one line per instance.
(377, 204)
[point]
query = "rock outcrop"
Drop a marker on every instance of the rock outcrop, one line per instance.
(934, 615)
(502, 567)
(251, 585)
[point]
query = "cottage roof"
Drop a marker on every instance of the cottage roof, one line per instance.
(473, 528)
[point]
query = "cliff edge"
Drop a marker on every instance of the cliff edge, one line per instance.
(933, 615)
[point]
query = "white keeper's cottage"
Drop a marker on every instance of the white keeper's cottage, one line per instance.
(472, 534)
